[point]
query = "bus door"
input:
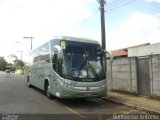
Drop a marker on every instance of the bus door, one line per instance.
(57, 67)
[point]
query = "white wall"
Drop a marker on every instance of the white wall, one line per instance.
(155, 67)
(144, 50)
(122, 75)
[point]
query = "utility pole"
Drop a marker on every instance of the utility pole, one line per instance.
(30, 39)
(103, 36)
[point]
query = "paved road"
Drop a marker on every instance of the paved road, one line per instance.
(17, 99)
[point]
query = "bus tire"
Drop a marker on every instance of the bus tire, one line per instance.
(48, 94)
(28, 82)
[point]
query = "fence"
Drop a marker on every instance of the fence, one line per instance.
(123, 75)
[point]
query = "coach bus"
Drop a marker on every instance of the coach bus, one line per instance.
(68, 67)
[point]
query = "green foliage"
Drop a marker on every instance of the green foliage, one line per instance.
(10, 67)
(18, 64)
(3, 63)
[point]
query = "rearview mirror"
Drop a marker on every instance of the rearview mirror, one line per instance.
(110, 55)
(58, 51)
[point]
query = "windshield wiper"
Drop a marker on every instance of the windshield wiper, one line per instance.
(93, 71)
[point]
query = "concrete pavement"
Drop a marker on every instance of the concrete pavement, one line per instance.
(145, 104)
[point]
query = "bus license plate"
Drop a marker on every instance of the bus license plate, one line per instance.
(87, 94)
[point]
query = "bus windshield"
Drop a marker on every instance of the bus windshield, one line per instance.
(83, 61)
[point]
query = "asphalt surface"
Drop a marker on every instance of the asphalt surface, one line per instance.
(19, 101)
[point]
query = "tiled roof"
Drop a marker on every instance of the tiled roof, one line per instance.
(124, 51)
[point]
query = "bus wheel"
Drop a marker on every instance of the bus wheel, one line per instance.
(48, 94)
(28, 82)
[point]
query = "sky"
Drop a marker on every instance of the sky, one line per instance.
(127, 23)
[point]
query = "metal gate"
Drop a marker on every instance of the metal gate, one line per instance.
(143, 76)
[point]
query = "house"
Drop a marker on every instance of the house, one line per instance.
(124, 51)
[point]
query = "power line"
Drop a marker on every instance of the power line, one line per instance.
(118, 2)
(113, 2)
(120, 5)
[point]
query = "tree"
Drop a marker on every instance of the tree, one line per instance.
(10, 66)
(18, 64)
(3, 63)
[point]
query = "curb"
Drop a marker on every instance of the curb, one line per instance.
(143, 109)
